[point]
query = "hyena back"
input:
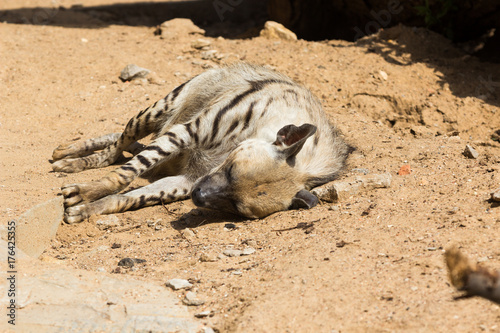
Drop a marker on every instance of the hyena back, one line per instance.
(242, 139)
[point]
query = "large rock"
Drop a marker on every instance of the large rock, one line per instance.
(35, 228)
(274, 30)
(54, 299)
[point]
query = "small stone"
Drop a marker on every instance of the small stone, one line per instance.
(248, 251)
(153, 78)
(361, 170)
(208, 55)
(275, 30)
(116, 246)
(107, 222)
(404, 170)
(340, 244)
(335, 208)
(208, 330)
(177, 284)
(383, 75)
(192, 300)
(132, 71)
(229, 227)
(237, 272)
(470, 152)
(207, 258)
(203, 314)
(232, 253)
(482, 259)
(250, 242)
(495, 196)
(200, 43)
(130, 262)
(188, 233)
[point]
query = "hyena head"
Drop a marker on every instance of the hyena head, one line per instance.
(258, 178)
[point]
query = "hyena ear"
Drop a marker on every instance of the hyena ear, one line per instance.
(304, 199)
(291, 138)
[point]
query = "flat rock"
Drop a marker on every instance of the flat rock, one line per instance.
(275, 30)
(38, 226)
(341, 190)
(248, 251)
(177, 284)
(54, 299)
(132, 72)
(200, 43)
(232, 253)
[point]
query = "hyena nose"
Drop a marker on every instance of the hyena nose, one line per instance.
(198, 196)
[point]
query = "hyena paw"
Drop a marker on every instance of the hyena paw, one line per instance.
(87, 192)
(69, 165)
(76, 214)
(64, 151)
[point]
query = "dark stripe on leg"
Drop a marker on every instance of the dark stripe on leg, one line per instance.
(144, 161)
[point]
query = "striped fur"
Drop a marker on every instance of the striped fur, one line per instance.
(225, 137)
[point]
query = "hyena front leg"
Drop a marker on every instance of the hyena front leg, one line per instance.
(178, 138)
(137, 128)
(165, 190)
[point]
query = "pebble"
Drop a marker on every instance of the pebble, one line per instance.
(208, 330)
(207, 258)
(232, 253)
(229, 227)
(248, 251)
(192, 300)
(404, 170)
(200, 43)
(470, 152)
(107, 222)
(495, 196)
(275, 30)
(116, 245)
(361, 170)
(208, 55)
(203, 314)
(383, 75)
(177, 284)
(132, 71)
(250, 242)
(130, 262)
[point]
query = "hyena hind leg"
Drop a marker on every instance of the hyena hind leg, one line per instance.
(138, 127)
(165, 190)
(65, 157)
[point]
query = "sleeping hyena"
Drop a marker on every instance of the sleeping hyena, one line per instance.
(242, 139)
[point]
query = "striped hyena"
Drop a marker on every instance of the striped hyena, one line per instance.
(242, 139)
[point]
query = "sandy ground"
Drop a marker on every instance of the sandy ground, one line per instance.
(371, 263)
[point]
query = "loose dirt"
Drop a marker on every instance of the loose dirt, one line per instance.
(371, 263)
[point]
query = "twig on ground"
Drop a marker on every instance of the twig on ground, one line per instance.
(475, 280)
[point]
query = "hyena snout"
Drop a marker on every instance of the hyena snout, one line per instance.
(212, 192)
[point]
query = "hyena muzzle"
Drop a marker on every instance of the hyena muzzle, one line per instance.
(242, 139)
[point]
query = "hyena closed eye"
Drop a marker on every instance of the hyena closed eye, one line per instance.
(242, 139)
